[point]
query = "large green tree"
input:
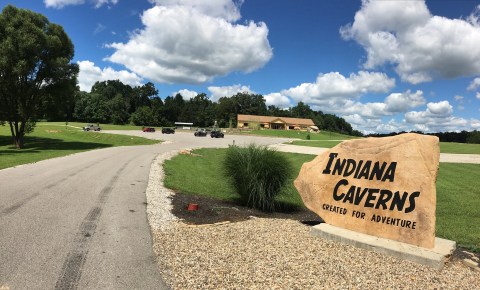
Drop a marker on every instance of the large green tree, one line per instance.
(35, 58)
(199, 110)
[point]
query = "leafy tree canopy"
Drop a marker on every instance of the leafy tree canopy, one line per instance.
(35, 65)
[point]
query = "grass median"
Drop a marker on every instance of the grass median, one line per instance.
(52, 140)
(458, 193)
(295, 134)
(445, 147)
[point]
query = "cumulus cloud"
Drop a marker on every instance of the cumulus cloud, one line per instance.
(437, 117)
(186, 94)
(475, 124)
(226, 9)
(401, 102)
(368, 126)
(363, 113)
(100, 3)
(278, 100)
(89, 74)
(474, 84)
(186, 41)
(440, 109)
(228, 91)
(478, 96)
(335, 85)
(58, 4)
(420, 45)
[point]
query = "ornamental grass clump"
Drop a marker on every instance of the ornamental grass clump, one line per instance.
(258, 174)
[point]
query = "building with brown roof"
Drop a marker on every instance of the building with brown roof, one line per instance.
(276, 123)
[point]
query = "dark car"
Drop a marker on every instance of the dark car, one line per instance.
(168, 131)
(148, 129)
(200, 132)
(216, 134)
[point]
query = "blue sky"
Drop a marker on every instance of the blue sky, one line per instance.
(382, 65)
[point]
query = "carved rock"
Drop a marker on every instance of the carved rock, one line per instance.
(383, 187)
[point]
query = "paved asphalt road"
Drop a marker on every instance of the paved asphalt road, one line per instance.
(79, 222)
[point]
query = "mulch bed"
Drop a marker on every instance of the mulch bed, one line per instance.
(212, 210)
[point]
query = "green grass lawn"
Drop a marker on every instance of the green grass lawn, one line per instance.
(299, 134)
(315, 143)
(459, 148)
(50, 140)
(458, 193)
(458, 203)
(445, 147)
(203, 175)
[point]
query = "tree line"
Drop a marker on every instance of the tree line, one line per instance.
(117, 103)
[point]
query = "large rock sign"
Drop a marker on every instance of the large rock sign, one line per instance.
(383, 187)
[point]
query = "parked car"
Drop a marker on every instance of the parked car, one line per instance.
(148, 129)
(216, 134)
(91, 127)
(168, 130)
(200, 132)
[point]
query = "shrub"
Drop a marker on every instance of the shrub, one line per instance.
(308, 136)
(258, 174)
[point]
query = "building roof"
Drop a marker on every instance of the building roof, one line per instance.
(269, 119)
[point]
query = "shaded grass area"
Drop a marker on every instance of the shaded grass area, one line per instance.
(81, 125)
(49, 141)
(458, 190)
(445, 147)
(300, 134)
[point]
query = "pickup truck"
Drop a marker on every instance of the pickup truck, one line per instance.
(91, 127)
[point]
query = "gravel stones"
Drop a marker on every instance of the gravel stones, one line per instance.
(159, 206)
(281, 254)
(277, 254)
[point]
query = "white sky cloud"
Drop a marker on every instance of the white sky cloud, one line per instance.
(89, 74)
(420, 45)
(437, 117)
(335, 85)
(62, 3)
(228, 91)
(475, 123)
(226, 9)
(99, 28)
(401, 102)
(278, 100)
(475, 84)
(185, 44)
(186, 94)
(478, 95)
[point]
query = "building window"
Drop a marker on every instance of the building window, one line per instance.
(245, 124)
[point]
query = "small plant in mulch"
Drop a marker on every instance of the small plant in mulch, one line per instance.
(258, 174)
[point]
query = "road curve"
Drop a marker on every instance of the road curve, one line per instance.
(79, 222)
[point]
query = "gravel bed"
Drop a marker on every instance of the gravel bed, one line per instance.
(277, 254)
(159, 206)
